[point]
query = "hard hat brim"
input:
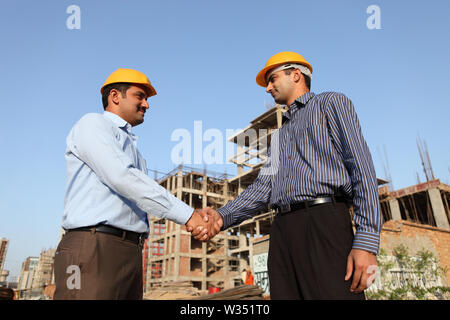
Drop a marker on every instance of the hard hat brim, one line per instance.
(150, 91)
(131, 76)
(261, 77)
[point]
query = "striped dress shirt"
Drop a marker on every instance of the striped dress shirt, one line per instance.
(319, 150)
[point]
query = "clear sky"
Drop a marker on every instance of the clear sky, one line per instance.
(203, 57)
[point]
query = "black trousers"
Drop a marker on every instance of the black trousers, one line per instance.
(308, 254)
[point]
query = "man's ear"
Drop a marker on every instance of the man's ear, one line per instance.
(114, 96)
(297, 75)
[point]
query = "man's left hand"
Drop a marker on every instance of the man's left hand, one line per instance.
(362, 264)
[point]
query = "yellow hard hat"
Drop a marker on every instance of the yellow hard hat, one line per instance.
(277, 60)
(130, 76)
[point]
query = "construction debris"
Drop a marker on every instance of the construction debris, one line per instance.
(244, 292)
(173, 290)
(183, 290)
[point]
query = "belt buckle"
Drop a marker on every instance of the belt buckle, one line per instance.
(320, 200)
(285, 208)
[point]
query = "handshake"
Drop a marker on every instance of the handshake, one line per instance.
(204, 224)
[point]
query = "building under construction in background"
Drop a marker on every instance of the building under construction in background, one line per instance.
(171, 254)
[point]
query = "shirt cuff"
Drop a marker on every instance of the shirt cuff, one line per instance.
(227, 217)
(367, 241)
(180, 212)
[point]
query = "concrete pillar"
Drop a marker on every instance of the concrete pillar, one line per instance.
(190, 193)
(177, 251)
(204, 189)
(227, 283)
(174, 183)
(240, 159)
(204, 266)
(438, 209)
(242, 240)
(179, 184)
(165, 272)
(240, 189)
(279, 118)
(225, 191)
(250, 257)
(395, 209)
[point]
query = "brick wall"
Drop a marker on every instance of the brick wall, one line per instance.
(417, 237)
(185, 243)
(184, 266)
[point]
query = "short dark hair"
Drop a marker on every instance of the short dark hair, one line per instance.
(307, 78)
(119, 86)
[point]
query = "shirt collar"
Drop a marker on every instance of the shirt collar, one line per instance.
(121, 124)
(304, 98)
(297, 104)
(118, 120)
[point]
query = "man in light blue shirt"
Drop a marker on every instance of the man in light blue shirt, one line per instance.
(108, 196)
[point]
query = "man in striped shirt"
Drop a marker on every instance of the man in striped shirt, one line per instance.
(318, 163)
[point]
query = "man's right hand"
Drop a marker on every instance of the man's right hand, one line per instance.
(200, 223)
(215, 223)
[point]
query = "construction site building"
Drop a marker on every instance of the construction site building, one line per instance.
(173, 255)
(418, 218)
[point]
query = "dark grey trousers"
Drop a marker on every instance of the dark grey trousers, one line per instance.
(97, 266)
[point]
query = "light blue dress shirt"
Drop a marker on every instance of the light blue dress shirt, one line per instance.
(107, 179)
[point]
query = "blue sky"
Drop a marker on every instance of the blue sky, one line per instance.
(203, 57)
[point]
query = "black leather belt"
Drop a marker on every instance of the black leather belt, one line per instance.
(281, 209)
(135, 237)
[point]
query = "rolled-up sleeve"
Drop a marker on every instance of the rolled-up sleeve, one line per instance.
(93, 142)
(347, 137)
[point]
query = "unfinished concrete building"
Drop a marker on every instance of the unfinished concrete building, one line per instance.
(418, 218)
(252, 144)
(425, 203)
(173, 255)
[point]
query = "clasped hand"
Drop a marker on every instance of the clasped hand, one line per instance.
(204, 223)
